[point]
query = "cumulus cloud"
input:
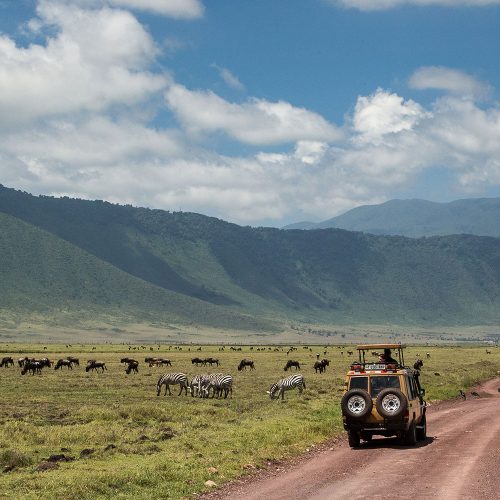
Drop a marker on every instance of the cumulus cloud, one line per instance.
(385, 113)
(257, 121)
(449, 80)
(389, 4)
(97, 59)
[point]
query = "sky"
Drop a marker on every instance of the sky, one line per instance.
(261, 112)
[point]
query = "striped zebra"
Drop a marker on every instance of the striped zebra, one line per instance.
(196, 385)
(287, 384)
(172, 379)
(220, 384)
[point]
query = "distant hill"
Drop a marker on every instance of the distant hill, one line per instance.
(416, 218)
(93, 257)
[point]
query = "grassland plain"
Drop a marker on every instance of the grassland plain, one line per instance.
(164, 447)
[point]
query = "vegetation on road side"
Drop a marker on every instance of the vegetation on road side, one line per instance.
(119, 439)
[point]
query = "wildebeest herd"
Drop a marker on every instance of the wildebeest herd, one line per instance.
(214, 385)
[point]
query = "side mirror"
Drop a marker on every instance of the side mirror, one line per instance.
(422, 392)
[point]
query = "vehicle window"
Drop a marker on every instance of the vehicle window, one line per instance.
(359, 383)
(379, 382)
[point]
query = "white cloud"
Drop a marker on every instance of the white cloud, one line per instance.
(230, 79)
(384, 113)
(449, 80)
(97, 59)
(389, 4)
(257, 121)
(180, 9)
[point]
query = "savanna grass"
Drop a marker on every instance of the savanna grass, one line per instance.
(136, 444)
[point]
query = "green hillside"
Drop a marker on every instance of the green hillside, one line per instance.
(416, 218)
(185, 267)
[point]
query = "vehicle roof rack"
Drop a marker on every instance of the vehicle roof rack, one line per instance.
(366, 347)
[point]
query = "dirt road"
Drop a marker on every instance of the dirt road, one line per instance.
(459, 460)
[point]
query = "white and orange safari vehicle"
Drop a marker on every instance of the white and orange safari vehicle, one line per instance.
(383, 397)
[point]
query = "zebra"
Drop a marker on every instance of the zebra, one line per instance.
(286, 384)
(197, 382)
(219, 383)
(172, 379)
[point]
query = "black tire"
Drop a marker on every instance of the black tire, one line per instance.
(422, 430)
(353, 438)
(410, 437)
(391, 404)
(356, 404)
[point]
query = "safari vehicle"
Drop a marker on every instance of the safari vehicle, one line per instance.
(383, 398)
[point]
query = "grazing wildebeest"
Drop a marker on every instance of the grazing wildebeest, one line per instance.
(45, 362)
(32, 366)
(488, 351)
(95, 365)
(244, 363)
(7, 361)
(211, 361)
(74, 361)
(132, 367)
(127, 360)
(428, 355)
(63, 362)
(197, 361)
(291, 363)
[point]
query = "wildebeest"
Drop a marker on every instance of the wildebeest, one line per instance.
(428, 355)
(211, 361)
(488, 351)
(6, 362)
(32, 366)
(132, 367)
(350, 353)
(197, 361)
(244, 363)
(63, 362)
(127, 360)
(291, 363)
(74, 361)
(95, 365)
(321, 365)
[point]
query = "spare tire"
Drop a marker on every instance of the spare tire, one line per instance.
(356, 404)
(391, 403)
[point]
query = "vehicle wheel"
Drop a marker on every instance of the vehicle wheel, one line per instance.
(422, 430)
(356, 404)
(353, 438)
(391, 403)
(410, 438)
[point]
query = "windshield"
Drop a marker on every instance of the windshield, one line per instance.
(379, 382)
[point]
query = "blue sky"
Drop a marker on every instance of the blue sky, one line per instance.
(259, 112)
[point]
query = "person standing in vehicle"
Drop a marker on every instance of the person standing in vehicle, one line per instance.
(386, 357)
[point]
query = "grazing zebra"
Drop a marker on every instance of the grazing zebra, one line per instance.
(132, 367)
(172, 379)
(219, 383)
(244, 363)
(291, 363)
(7, 361)
(92, 364)
(63, 362)
(286, 384)
(196, 384)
